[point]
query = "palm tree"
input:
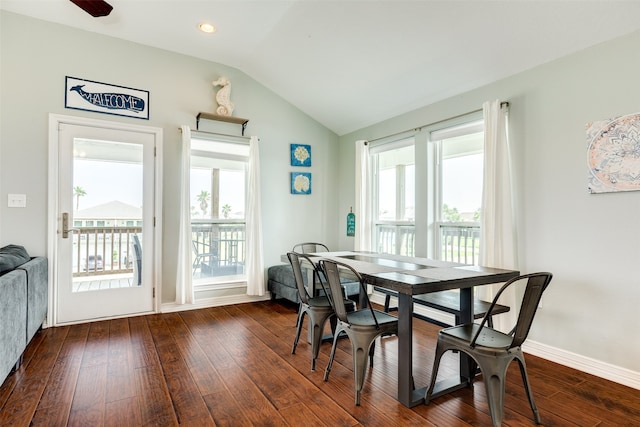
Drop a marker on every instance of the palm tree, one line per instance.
(225, 210)
(77, 193)
(203, 198)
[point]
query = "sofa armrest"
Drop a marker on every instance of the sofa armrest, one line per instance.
(13, 320)
(37, 270)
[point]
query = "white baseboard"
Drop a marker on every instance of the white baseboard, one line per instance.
(585, 364)
(213, 302)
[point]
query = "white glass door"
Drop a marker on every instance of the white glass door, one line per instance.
(105, 240)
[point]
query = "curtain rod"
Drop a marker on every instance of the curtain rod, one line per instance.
(244, 138)
(417, 129)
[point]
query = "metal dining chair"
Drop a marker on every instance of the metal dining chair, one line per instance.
(361, 326)
(310, 247)
(493, 350)
(318, 308)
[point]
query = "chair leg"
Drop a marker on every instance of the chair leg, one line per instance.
(434, 372)
(361, 347)
(525, 380)
(333, 352)
(316, 335)
(493, 374)
(298, 329)
(372, 350)
(495, 397)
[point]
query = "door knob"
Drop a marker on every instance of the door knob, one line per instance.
(65, 226)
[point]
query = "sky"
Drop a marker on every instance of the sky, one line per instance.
(107, 181)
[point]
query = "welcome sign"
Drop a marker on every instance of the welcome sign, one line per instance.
(81, 94)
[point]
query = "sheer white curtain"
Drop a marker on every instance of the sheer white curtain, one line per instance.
(498, 246)
(184, 279)
(363, 198)
(254, 267)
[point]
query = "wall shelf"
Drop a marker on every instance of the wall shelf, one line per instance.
(219, 118)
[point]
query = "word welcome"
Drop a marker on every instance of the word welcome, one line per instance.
(112, 101)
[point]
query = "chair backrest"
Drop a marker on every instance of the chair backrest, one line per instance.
(536, 285)
(310, 248)
(331, 270)
(295, 259)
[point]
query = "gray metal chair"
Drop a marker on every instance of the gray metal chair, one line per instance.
(310, 248)
(361, 326)
(493, 350)
(318, 308)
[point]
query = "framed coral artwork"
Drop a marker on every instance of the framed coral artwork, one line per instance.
(300, 183)
(300, 155)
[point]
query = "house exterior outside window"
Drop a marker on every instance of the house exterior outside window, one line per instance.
(218, 187)
(427, 191)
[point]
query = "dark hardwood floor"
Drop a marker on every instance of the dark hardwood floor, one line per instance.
(233, 366)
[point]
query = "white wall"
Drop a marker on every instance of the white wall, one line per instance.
(36, 57)
(589, 242)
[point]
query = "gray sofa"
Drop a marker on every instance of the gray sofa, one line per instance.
(23, 303)
(282, 284)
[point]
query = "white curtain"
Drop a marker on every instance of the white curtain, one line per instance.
(363, 198)
(184, 279)
(254, 267)
(498, 241)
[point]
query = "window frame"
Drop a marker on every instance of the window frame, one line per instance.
(376, 148)
(241, 154)
(466, 125)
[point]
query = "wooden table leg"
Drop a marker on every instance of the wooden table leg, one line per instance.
(467, 365)
(406, 393)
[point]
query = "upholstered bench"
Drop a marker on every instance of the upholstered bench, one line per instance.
(282, 284)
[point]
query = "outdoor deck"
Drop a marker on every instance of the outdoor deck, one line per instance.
(102, 281)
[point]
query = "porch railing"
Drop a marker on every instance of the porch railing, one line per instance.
(219, 248)
(396, 239)
(103, 250)
(458, 242)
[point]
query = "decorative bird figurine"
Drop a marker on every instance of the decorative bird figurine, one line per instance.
(223, 97)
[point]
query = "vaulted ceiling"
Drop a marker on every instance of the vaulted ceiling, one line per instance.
(352, 63)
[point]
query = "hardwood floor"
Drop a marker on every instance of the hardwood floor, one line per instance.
(232, 366)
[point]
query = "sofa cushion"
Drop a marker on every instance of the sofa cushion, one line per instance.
(12, 256)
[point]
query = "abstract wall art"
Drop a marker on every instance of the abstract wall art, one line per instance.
(613, 154)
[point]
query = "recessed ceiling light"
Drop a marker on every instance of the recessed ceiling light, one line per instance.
(207, 28)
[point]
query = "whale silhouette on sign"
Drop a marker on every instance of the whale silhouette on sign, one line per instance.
(112, 101)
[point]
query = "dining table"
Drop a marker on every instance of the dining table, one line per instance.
(409, 276)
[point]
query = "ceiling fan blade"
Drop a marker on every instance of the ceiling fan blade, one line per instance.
(94, 8)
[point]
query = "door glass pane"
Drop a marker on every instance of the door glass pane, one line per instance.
(107, 192)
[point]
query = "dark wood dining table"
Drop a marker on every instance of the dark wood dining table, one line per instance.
(414, 276)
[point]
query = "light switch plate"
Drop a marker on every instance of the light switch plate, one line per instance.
(17, 201)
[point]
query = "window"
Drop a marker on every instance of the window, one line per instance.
(459, 176)
(427, 191)
(218, 188)
(393, 169)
